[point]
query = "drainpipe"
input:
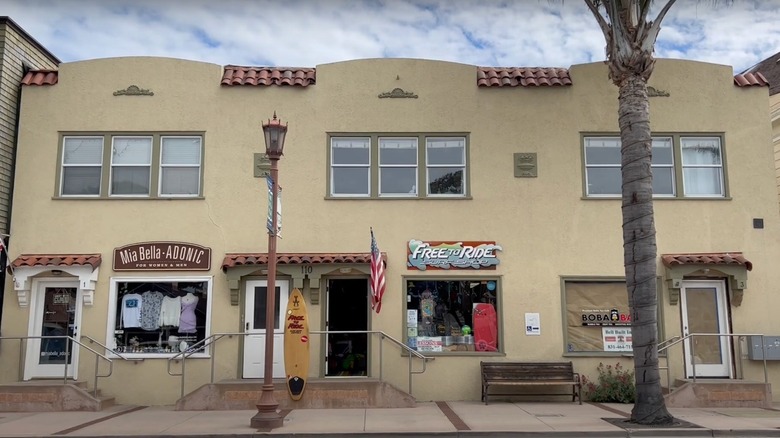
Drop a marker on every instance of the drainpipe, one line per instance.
(7, 230)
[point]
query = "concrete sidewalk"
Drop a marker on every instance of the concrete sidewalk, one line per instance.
(428, 419)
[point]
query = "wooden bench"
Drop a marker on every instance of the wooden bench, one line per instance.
(517, 374)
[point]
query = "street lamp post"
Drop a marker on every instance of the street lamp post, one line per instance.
(267, 416)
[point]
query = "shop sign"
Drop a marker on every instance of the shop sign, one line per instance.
(617, 339)
(598, 317)
(429, 344)
(424, 255)
(162, 256)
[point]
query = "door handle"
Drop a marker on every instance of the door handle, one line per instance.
(49, 312)
(247, 327)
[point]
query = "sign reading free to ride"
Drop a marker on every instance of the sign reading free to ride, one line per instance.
(424, 255)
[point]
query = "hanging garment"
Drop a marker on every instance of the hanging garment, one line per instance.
(131, 310)
(187, 320)
(150, 313)
(170, 310)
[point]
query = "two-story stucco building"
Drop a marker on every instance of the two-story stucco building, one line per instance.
(140, 220)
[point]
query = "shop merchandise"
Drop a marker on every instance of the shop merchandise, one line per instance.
(170, 311)
(131, 310)
(187, 320)
(150, 313)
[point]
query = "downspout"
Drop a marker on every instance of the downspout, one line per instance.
(7, 230)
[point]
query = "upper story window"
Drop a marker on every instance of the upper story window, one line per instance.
(402, 166)
(696, 162)
(146, 166)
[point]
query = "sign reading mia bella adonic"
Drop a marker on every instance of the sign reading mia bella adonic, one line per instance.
(162, 256)
(423, 255)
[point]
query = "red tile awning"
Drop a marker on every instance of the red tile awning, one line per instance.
(31, 260)
(291, 258)
(708, 258)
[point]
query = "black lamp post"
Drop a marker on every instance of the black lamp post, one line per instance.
(267, 416)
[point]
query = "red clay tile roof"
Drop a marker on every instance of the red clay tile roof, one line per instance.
(30, 260)
(522, 76)
(238, 75)
(711, 258)
(751, 79)
(769, 68)
(40, 77)
(246, 259)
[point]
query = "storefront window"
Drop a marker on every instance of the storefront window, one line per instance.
(597, 317)
(452, 315)
(159, 316)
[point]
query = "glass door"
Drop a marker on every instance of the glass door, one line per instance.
(255, 325)
(704, 310)
(55, 316)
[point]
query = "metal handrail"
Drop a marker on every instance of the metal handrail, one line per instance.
(98, 356)
(112, 351)
(211, 340)
(671, 342)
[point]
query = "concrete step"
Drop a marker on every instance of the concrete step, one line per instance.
(719, 393)
(50, 396)
(319, 393)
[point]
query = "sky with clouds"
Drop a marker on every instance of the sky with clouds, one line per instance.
(305, 33)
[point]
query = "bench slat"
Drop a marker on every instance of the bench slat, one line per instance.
(529, 373)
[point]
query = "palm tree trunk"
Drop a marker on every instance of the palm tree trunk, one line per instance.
(639, 247)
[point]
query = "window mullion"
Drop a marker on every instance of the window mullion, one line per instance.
(155, 171)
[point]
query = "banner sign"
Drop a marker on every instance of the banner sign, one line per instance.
(162, 256)
(269, 218)
(602, 317)
(423, 255)
(617, 339)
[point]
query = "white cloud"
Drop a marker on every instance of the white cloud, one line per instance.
(306, 33)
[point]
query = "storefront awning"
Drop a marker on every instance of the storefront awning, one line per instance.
(732, 265)
(233, 260)
(85, 267)
(239, 265)
(711, 258)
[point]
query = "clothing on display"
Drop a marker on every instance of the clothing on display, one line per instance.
(188, 320)
(170, 310)
(150, 312)
(131, 310)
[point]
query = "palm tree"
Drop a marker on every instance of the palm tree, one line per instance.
(630, 44)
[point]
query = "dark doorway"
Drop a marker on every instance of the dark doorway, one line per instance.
(347, 311)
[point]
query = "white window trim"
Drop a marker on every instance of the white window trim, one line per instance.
(720, 166)
(361, 166)
(416, 167)
(110, 341)
(428, 165)
(63, 166)
(111, 166)
(198, 166)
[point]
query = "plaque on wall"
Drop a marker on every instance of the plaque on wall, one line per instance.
(162, 256)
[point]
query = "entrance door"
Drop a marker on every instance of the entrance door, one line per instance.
(254, 324)
(55, 311)
(704, 310)
(347, 310)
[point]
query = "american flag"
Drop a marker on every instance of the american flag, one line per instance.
(377, 275)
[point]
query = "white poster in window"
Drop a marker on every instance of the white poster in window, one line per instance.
(411, 318)
(617, 339)
(429, 343)
(532, 327)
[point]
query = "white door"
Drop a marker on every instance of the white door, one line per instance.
(55, 310)
(704, 310)
(254, 324)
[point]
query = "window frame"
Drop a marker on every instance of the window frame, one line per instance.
(374, 167)
(113, 302)
(199, 166)
(603, 279)
(113, 166)
(678, 183)
(62, 166)
(107, 166)
(499, 306)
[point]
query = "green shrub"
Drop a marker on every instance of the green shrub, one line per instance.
(615, 385)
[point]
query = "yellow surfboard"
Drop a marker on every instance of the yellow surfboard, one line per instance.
(296, 345)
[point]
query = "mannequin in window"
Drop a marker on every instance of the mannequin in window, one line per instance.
(187, 320)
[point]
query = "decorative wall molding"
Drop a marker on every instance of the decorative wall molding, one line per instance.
(23, 277)
(398, 93)
(133, 90)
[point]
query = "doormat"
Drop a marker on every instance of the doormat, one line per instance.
(628, 425)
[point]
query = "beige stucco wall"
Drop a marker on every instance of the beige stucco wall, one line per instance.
(547, 230)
